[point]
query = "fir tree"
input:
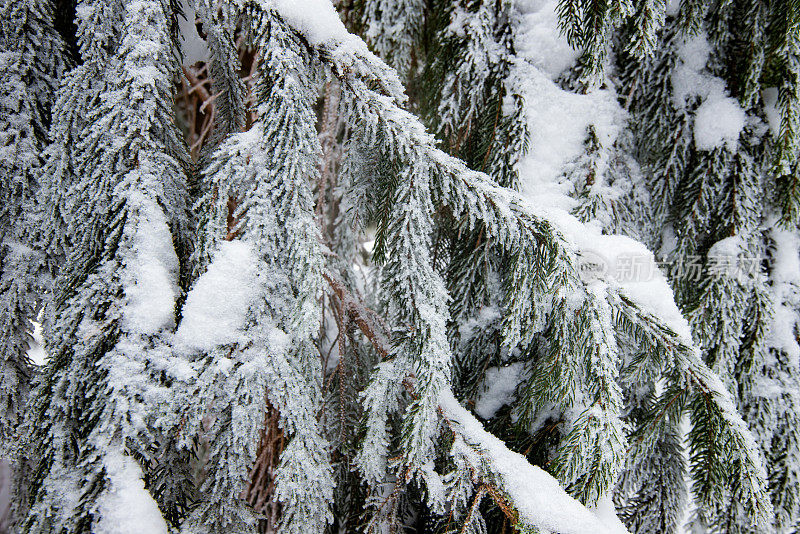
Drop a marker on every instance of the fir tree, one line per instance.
(262, 178)
(392, 27)
(32, 61)
(712, 183)
(98, 391)
(590, 26)
(472, 102)
(309, 382)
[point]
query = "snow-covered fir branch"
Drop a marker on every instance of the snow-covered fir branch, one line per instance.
(316, 267)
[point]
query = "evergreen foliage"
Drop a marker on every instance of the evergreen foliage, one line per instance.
(333, 320)
(31, 61)
(702, 193)
(717, 204)
(126, 209)
(392, 27)
(265, 173)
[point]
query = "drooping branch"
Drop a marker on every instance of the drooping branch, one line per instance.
(526, 494)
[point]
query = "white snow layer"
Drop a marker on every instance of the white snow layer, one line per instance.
(673, 7)
(486, 316)
(607, 513)
(540, 40)
(770, 96)
(126, 507)
(720, 119)
(558, 121)
(729, 247)
(317, 20)
(500, 384)
(786, 274)
(217, 305)
(36, 352)
(537, 496)
(151, 275)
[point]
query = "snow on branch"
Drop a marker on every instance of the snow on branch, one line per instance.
(543, 244)
(536, 497)
(527, 494)
(716, 423)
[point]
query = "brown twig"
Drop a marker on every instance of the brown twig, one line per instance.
(372, 327)
(261, 486)
(367, 321)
